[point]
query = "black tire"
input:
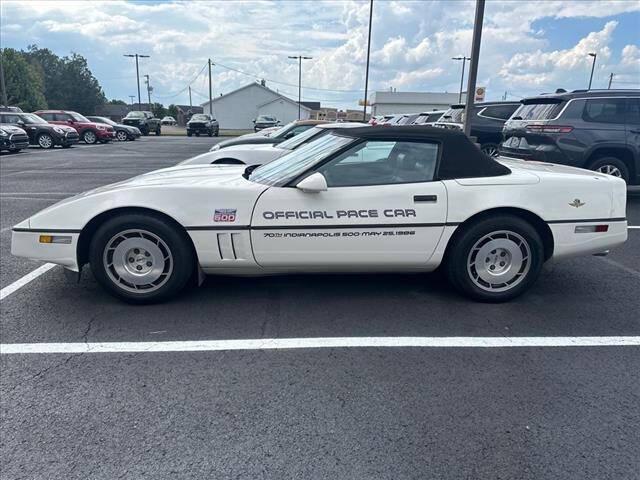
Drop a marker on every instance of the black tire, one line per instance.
(176, 243)
(90, 137)
(217, 132)
(462, 253)
(197, 134)
(158, 131)
(210, 133)
(145, 131)
(45, 141)
(189, 134)
(611, 164)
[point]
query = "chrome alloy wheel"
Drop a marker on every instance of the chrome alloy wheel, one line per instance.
(610, 170)
(90, 137)
(121, 135)
(491, 150)
(45, 141)
(138, 261)
(499, 261)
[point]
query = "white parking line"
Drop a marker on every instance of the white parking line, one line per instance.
(633, 227)
(29, 277)
(315, 343)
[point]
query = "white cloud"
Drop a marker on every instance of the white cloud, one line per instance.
(412, 43)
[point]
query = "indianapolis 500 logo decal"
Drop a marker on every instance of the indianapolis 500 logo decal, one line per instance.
(224, 215)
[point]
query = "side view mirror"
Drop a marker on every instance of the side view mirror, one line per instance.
(20, 123)
(70, 122)
(314, 183)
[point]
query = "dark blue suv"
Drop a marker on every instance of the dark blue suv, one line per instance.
(595, 129)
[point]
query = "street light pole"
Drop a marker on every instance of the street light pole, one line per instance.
(148, 82)
(366, 75)
(464, 61)
(299, 58)
(136, 56)
(593, 66)
(210, 95)
(473, 65)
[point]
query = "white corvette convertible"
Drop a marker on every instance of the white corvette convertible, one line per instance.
(258, 154)
(405, 199)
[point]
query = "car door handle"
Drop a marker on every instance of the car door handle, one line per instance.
(425, 198)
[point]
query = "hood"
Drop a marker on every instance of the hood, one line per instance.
(11, 129)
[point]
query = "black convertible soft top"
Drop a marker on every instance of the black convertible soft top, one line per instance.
(460, 157)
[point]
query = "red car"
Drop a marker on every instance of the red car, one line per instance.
(90, 132)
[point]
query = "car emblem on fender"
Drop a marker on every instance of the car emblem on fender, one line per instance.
(576, 203)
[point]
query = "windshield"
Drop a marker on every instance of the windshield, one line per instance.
(200, 116)
(281, 132)
(453, 115)
(135, 115)
(32, 118)
(264, 118)
(284, 169)
(77, 117)
(537, 111)
(294, 142)
(108, 121)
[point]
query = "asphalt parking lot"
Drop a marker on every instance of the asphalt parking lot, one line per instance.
(570, 412)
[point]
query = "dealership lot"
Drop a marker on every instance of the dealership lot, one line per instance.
(400, 412)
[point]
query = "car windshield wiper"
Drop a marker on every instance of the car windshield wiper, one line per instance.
(248, 170)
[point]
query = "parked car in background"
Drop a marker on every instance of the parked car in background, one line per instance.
(90, 132)
(594, 129)
(144, 121)
(259, 154)
(486, 122)
(376, 119)
(203, 123)
(168, 121)
(407, 119)
(40, 132)
(4, 108)
(290, 130)
(428, 118)
(123, 132)
(13, 138)
(265, 121)
(391, 119)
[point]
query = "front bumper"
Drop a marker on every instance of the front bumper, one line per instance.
(68, 138)
(15, 141)
(106, 134)
(26, 243)
(199, 129)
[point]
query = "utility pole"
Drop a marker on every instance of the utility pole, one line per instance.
(190, 104)
(148, 82)
(464, 61)
(366, 75)
(610, 80)
(3, 86)
(136, 56)
(210, 96)
(300, 58)
(131, 97)
(473, 66)
(593, 66)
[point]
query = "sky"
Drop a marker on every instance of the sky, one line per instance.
(528, 47)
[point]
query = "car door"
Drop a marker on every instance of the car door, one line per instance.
(381, 209)
(633, 131)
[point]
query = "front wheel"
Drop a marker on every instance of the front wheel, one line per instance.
(141, 258)
(121, 136)
(89, 137)
(45, 141)
(217, 132)
(495, 259)
(158, 131)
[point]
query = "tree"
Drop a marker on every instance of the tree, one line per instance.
(68, 81)
(173, 111)
(115, 101)
(24, 83)
(158, 110)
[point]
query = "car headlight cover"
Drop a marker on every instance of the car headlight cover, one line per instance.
(102, 127)
(58, 130)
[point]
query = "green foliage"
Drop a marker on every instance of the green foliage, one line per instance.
(23, 81)
(115, 101)
(46, 80)
(173, 111)
(158, 110)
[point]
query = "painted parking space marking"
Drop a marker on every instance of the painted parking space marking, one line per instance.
(29, 277)
(318, 343)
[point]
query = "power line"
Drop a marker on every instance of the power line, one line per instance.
(171, 95)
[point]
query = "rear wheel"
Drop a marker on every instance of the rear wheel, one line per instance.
(210, 133)
(611, 166)
(490, 149)
(45, 141)
(89, 137)
(495, 259)
(141, 258)
(158, 130)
